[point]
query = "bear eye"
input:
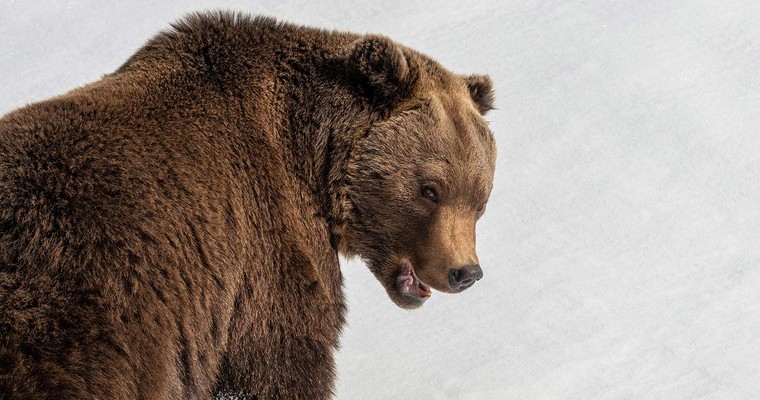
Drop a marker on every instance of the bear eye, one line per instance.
(481, 207)
(430, 194)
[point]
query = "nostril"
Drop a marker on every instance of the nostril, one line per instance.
(454, 278)
(464, 277)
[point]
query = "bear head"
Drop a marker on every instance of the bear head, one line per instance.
(419, 179)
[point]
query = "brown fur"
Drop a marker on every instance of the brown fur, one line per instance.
(171, 231)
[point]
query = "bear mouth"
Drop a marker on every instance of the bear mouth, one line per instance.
(409, 286)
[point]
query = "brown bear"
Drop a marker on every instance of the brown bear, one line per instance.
(173, 230)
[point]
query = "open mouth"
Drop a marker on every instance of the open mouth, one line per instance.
(409, 285)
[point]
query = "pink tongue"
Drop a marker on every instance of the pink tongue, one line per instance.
(405, 283)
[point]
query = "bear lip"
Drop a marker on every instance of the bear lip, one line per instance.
(409, 285)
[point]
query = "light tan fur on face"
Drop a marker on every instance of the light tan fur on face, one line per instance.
(451, 245)
(433, 137)
(466, 149)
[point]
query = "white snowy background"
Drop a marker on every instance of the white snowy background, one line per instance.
(621, 246)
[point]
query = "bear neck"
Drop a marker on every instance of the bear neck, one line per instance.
(292, 86)
(324, 117)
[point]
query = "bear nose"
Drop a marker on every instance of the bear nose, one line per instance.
(462, 278)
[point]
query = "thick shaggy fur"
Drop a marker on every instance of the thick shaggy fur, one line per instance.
(172, 230)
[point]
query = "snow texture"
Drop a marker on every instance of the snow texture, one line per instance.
(621, 247)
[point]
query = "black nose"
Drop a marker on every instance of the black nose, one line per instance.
(462, 278)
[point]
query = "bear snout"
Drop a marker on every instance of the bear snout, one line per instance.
(464, 277)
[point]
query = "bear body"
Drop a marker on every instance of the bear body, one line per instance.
(172, 230)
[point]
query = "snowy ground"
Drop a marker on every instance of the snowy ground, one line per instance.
(621, 247)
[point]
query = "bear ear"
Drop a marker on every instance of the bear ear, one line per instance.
(481, 91)
(381, 70)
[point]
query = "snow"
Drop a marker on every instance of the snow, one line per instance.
(621, 247)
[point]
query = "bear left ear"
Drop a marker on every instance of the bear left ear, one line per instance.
(481, 91)
(381, 70)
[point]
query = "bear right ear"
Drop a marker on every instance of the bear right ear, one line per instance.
(381, 70)
(481, 91)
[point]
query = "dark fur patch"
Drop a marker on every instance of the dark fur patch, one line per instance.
(382, 71)
(481, 91)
